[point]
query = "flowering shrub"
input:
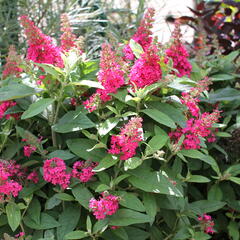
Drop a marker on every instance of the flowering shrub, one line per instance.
(126, 154)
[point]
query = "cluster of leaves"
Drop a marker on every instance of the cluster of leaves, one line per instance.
(162, 190)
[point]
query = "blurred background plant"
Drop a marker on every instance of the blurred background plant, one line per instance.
(96, 20)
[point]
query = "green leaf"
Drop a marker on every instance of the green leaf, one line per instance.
(73, 121)
(15, 91)
(235, 180)
(233, 229)
(156, 142)
(175, 113)
(215, 193)
(221, 77)
(102, 188)
(64, 197)
(206, 206)
(83, 148)
(130, 200)
(88, 83)
(157, 182)
(106, 162)
(13, 215)
(121, 233)
(34, 210)
(89, 224)
(63, 154)
(199, 155)
(201, 236)
(52, 202)
(107, 126)
(136, 48)
(150, 204)
(82, 195)
(47, 222)
(160, 117)
(182, 84)
(68, 219)
(136, 234)
(76, 235)
(198, 179)
(234, 170)
(100, 226)
(126, 217)
(132, 163)
(50, 69)
(37, 107)
(225, 94)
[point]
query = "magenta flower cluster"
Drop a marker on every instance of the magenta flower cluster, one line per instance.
(83, 170)
(55, 172)
(126, 143)
(107, 205)
(206, 223)
(10, 172)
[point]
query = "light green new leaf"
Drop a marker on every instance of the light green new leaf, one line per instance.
(37, 107)
(136, 48)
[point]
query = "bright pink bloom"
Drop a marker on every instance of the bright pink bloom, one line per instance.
(33, 176)
(146, 70)
(143, 35)
(11, 66)
(4, 106)
(28, 150)
(111, 77)
(54, 171)
(126, 143)
(179, 55)
(9, 173)
(195, 129)
(107, 205)
(206, 223)
(41, 49)
(83, 171)
(68, 38)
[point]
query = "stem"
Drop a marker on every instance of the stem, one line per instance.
(55, 118)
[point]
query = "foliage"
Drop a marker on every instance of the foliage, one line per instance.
(112, 156)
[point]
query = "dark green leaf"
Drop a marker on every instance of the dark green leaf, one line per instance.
(73, 121)
(206, 206)
(126, 217)
(157, 182)
(82, 147)
(160, 117)
(82, 195)
(150, 205)
(63, 154)
(68, 219)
